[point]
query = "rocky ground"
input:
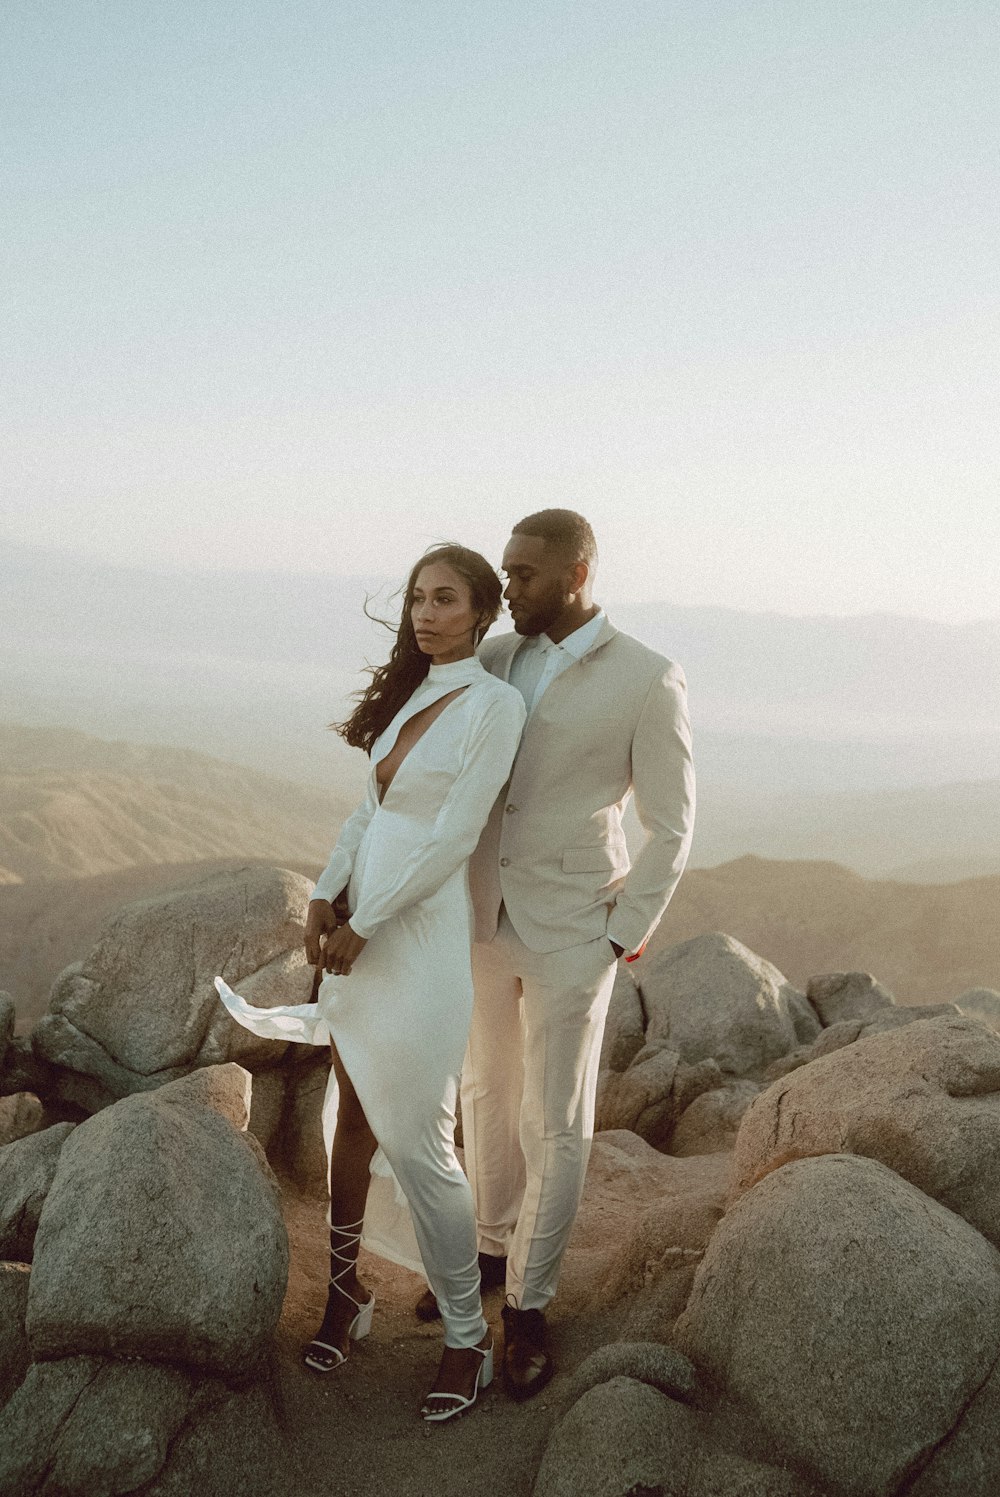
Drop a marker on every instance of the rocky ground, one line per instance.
(784, 1280)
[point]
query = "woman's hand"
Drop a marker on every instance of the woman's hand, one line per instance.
(343, 947)
(321, 920)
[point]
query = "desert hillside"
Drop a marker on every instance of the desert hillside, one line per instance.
(928, 943)
(75, 806)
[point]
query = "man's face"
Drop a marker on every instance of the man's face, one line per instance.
(539, 583)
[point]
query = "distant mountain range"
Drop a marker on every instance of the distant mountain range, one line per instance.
(929, 834)
(872, 741)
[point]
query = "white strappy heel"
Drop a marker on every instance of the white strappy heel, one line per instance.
(441, 1406)
(331, 1357)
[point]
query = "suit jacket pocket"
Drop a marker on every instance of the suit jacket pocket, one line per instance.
(589, 860)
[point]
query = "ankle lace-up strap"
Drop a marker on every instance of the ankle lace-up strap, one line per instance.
(344, 1243)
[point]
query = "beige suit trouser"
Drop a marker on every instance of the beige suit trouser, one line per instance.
(528, 1089)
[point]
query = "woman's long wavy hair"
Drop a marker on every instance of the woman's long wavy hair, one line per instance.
(395, 682)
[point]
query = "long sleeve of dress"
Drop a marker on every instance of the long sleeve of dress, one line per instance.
(486, 764)
(337, 872)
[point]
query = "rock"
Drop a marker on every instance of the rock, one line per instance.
(145, 996)
(624, 1439)
(225, 1089)
(964, 1464)
(83, 1425)
(625, 1029)
(982, 1004)
(86, 1427)
(786, 1064)
(850, 1319)
(27, 1170)
(87, 1076)
(15, 1358)
(924, 1100)
(23, 1071)
(847, 995)
(640, 1232)
(267, 1104)
(909, 1013)
(651, 1094)
(661, 1367)
(711, 998)
(20, 1115)
(846, 1031)
(8, 1016)
(657, 1255)
(160, 1237)
(232, 1446)
(710, 1124)
(640, 1098)
(302, 1151)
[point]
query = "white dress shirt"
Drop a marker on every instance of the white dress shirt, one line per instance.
(539, 660)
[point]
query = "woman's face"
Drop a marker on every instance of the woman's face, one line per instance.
(443, 617)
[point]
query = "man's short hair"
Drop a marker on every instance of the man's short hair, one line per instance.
(563, 528)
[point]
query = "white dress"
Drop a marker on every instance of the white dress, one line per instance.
(400, 1020)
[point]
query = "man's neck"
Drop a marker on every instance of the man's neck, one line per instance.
(572, 620)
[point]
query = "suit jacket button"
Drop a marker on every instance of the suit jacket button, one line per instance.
(505, 862)
(510, 810)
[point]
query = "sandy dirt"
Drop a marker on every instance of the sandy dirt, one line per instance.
(356, 1432)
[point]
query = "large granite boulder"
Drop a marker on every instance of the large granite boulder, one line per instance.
(651, 1362)
(299, 1150)
(712, 998)
(625, 1027)
(710, 1123)
(90, 1427)
(848, 1031)
(160, 1237)
(625, 1439)
(651, 1093)
(640, 1233)
(225, 1089)
(982, 1004)
(853, 1321)
(7, 1019)
(142, 1007)
(27, 1170)
(15, 1358)
(847, 995)
(20, 1114)
(924, 1100)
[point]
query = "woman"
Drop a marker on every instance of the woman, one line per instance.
(396, 1002)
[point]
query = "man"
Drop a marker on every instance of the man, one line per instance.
(557, 905)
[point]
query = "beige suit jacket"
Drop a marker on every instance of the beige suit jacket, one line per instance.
(553, 852)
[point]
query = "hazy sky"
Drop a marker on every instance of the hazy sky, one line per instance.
(312, 284)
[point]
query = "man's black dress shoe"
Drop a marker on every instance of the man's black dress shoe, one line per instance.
(527, 1365)
(492, 1275)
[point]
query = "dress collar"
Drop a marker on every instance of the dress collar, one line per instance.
(456, 673)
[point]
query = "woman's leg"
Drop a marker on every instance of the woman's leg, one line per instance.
(421, 1151)
(350, 1159)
